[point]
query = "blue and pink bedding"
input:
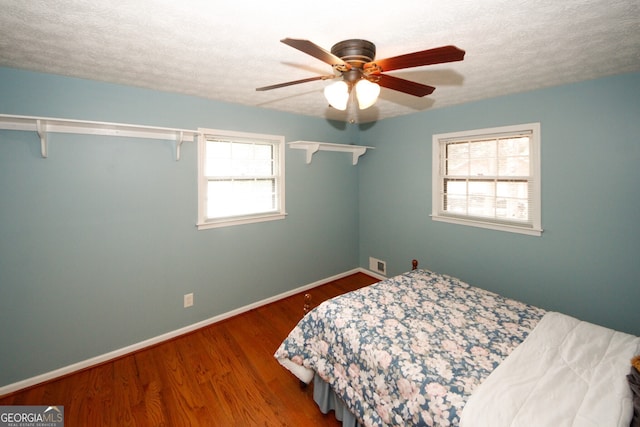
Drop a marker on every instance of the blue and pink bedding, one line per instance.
(428, 349)
(409, 350)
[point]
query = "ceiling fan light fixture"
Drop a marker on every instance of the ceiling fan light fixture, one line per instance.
(367, 93)
(337, 95)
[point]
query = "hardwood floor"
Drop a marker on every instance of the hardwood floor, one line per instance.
(221, 375)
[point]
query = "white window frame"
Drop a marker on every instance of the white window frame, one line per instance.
(277, 141)
(532, 227)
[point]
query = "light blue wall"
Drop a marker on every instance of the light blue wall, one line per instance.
(587, 262)
(98, 242)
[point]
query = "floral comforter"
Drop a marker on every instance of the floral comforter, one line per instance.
(411, 349)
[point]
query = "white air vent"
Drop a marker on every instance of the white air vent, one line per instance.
(377, 265)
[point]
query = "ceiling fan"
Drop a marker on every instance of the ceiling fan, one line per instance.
(353, 62)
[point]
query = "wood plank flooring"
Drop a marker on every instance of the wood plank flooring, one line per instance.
(220, 375)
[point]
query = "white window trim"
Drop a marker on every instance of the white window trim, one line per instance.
(438, 140)
(203, 223)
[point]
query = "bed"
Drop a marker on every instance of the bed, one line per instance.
(428, 349)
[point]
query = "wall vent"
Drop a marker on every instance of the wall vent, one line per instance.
(377, 265)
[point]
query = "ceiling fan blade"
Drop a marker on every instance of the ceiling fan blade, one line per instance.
(438, 55)
(316, 51)
(406, 86)
(295, 82)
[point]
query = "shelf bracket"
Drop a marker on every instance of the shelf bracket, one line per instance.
(357, 152)
(179, 141)
(41, 129)
(311, 150)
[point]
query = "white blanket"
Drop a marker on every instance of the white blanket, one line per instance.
(566, 373)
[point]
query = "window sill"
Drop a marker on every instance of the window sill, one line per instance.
(228, 222)
(490, 226)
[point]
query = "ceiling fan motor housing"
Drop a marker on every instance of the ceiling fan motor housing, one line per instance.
(355, 52)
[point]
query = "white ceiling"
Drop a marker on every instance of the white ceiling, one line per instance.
(223, 50)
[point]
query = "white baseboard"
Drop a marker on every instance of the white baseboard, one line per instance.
(48, 376)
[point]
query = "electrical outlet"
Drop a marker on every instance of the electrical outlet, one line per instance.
(188, 300)
(377, 265)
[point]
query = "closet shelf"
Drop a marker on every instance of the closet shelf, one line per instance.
(313, 147)
(44, 125)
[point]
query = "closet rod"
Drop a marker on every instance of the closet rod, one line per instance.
(45, 125)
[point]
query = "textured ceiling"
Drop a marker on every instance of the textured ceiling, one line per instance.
(223, 50)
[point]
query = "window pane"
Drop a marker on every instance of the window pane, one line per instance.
(453, 187)
(458, 150)
(481, 149)
(517, 189)
(455, 196)
(218, 158)
(262, 167)
(512, 209)
(455, 204)
(513, 166)
(240, 197)
(514, 146)
(264, 152)
(242, 151)
(513, 200)
(457, 167)
(227, 159)
(219, 195)
(482, 167)
(484, 188)
(482, 206)
(483, 158)
(219, 149)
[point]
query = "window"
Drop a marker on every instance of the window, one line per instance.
(240, 178)
(489, 178)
